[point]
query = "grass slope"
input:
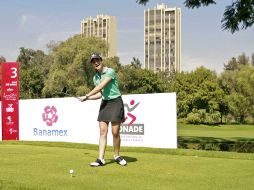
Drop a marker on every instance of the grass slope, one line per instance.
(42, 165)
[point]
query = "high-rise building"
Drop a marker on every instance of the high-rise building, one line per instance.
(162, 39)
(103, 26)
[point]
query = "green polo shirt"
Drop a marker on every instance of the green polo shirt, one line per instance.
(111, 90)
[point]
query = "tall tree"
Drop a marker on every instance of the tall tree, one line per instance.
(31, 82)
(140, 81)
(238, 86)
(136, 63)
(238, 15)
(231, 65)
(114, 63)
(25, 55)
(2, 59)
(71, 65)
(34, 69)
(235, 64)
(197, 90)
(252, 59)
(243, 59)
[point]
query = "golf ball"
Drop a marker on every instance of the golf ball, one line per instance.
(71, 171)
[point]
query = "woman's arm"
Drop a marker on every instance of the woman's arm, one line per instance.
(99, 88)
(95, 96)
(96, 92)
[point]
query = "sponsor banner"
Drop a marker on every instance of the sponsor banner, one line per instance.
(59, 119)
(150, 120)
(10, 101)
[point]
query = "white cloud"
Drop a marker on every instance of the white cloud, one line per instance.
(23, 20)
(26, 18)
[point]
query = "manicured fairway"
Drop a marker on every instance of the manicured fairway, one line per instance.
(216, 133)
(39, 165)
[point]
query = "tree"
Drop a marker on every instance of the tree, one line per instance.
(245, 87)
(34, 69)
(71, 65)
(252, 59)
(238, 86)
(238, 106)
(198, 93)
(114, 63)
(2, 59)
(235, 64)
(25, 55)
(238, 15)
(135, 63)
(243, 59)
(31, 82)
(52, 45)
(231, 65)
(140, 81)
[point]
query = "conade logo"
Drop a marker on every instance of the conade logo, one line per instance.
(130, 108)
(130, 127)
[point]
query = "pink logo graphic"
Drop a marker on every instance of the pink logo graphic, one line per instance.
(49, 115)
(130, 109)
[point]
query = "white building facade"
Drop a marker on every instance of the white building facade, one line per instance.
(162, 39)
(104, 27)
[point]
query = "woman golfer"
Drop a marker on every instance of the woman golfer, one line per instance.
(111, 108)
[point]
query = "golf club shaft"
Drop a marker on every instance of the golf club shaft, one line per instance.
(69, 95)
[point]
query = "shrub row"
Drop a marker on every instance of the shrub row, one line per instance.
(238, 146)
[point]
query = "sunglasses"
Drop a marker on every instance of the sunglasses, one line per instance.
(95, 61)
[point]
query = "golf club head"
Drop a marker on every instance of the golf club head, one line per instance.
(64, 90)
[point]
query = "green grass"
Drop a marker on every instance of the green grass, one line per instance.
(43, 165)
(219, 133)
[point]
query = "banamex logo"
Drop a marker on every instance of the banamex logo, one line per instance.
(49, 116)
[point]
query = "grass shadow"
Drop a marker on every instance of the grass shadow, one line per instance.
(234, 144)
(127, 158)
(196, 139)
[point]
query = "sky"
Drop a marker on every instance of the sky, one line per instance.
(35, 23)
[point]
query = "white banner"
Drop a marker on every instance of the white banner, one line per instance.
(150, 120)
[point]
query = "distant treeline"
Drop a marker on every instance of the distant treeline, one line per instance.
(202, 95)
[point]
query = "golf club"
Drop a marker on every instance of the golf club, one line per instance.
(65, 92)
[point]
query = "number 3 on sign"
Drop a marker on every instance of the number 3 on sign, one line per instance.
(13, 72)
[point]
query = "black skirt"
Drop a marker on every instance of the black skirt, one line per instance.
(111, 110)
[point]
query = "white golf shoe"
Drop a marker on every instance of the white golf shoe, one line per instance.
(98, 162)
(120, 160)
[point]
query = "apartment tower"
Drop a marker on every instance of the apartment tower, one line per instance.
(162, 39)
(103, 26)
